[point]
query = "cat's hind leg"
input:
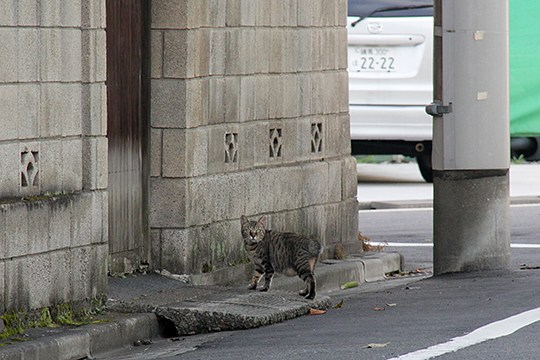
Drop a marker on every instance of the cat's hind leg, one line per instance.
(308, 277)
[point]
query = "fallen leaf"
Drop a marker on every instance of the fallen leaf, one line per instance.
(316, 312)
(379, 309)
(339, 305)
(349, 285)
(376, 346)
(368, 246)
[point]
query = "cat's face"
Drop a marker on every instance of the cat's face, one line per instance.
(253, 231)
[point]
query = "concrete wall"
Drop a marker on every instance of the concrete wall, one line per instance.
(53, 152)
(249, 115)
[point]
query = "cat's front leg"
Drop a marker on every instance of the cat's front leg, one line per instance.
(267, 282)
(255, 279)
(268, 275)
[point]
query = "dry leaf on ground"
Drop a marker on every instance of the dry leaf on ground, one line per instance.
(366, 244)
(339, 305)
(316, 312)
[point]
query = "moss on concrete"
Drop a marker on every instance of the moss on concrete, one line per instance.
(16, 323)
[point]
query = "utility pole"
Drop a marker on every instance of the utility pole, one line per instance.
(471, 137)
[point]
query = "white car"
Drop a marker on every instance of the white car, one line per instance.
(390, 63)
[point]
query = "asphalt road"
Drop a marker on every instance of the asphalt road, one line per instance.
(386, 324)
(415, 317)
(410, 232)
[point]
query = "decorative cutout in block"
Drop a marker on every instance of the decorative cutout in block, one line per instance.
(316, 138)
(29, 167)
(231, 147)
(275, 143)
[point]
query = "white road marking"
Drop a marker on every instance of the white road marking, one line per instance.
(491, 331)
(397, 244)
(525, 246)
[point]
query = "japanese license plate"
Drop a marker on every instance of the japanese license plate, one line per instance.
(372, 59)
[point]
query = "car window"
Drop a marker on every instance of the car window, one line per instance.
(380, 8)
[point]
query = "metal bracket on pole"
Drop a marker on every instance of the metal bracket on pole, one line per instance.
(436, 108)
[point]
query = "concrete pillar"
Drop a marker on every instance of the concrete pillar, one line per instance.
(471, 151)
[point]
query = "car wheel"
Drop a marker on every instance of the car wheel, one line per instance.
(424, 164)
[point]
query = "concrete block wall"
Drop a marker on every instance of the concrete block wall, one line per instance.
(249, 116)
(53, 152)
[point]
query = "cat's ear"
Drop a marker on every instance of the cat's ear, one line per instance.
(262, 221)
(243, 220)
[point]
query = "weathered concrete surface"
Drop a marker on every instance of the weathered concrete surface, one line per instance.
(471, 221)
(53, 153)
(154, 304)
(249, 116)
(219, 309)
(82, 342)
(204, 308)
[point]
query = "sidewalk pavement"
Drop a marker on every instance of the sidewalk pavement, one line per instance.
(400, 185)
(146, 307)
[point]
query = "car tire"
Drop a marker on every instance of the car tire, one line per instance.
(424, 164)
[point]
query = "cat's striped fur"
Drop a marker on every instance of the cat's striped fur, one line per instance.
(287, 253)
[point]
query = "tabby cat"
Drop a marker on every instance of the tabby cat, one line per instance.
(287, 253)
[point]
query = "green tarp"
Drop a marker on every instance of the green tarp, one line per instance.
(525, 67)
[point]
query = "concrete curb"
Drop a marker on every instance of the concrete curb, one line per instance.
(81, 342)
(331, 274)
(208, 310)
